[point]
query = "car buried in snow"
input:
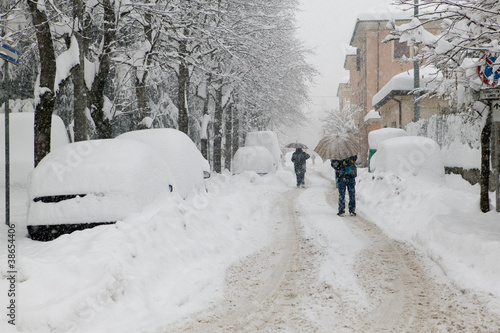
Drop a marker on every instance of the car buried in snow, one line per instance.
(188, 166)
(90, 183)
(253, 158)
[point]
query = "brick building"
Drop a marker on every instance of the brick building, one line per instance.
(373, 65)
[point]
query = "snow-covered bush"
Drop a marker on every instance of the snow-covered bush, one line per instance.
(458, 135)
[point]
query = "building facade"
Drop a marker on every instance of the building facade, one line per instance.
(373, 66)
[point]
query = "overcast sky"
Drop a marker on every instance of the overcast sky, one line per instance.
(326, 26)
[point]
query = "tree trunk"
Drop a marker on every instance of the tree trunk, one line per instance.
(80, 103)
(183, 85)
(78, 74)
(236, 130)
(140, 92)
(141, 80)
(485, 164)
(96, 95)
(44, 109)
(218, 130)
(228, 156)
(204, 136)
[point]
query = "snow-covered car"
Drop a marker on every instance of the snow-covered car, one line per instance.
(253, 158)
(266, 139)
(90, 183)
(21, 144)
(186, 163)
(410, 156)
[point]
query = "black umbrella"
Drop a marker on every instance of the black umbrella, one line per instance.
(296, 145)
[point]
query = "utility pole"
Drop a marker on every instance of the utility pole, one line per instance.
(8, 54)
(416, 73)
(7, 144)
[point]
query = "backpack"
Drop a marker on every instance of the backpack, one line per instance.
(347, 168)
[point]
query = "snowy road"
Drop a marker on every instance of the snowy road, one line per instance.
(280, 289)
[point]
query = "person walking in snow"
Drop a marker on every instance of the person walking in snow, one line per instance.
(345, 173)
(299, 158)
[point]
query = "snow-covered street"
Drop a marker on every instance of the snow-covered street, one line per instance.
(375, 284)
(259, 255)
(181, 166)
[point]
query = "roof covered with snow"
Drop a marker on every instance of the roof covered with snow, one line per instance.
(372, 115)
(384, 14)
(403, 83)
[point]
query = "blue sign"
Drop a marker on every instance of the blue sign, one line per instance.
(9, 53)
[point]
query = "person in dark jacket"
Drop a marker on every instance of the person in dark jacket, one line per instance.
(299, 158)
(346, 172)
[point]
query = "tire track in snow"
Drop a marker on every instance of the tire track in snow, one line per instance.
(407, 291)
(258, 287)
(278, 289)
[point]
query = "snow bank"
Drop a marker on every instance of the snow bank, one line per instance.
(409, 156)
(443, 219)
(148, 270)
(459, 154)
(458, 135)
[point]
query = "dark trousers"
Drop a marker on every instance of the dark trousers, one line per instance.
(350, 184)
(300, 178)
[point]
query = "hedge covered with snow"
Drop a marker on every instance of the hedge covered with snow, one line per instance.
(458, 135)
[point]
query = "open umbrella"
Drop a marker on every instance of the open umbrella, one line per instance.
(337, 147)
(296, 145)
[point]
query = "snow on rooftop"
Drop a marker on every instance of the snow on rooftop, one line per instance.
(418, 35)
(404, 82)
(372, 115)
(350, 50)
(385, 13)
(377, 136)
(345, 79)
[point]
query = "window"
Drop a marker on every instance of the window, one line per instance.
(400, 50)
(358, 60)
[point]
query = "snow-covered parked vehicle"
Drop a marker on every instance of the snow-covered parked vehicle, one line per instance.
(185, 161)
(89, 183)
(268, 140)
(410, 156)
(253, 158)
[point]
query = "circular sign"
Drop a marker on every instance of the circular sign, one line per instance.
(489, 70)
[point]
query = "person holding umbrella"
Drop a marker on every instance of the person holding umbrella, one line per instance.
(299, 158)
(342, 150)
(346, 172)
